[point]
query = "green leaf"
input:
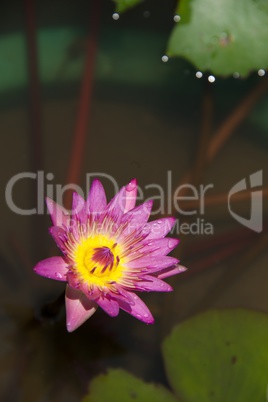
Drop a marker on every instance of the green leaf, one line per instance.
(219, 356)
(123, 5)
(223, 36)
(120, 386)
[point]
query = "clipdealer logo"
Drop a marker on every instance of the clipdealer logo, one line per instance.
(255, 221)
(167, 198)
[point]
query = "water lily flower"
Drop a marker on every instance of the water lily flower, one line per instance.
(110, 251)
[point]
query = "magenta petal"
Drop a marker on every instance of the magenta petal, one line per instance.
(131, 195)
(59, 235)
(96, 201)
(122, 294)
(79, 207)
(78, 308)
(58, 214)
(139, 310)
(153, 284)
(160, 246)
(158, 229)
(152, 263)
(171, 271)
(108, 305)
(137, 217)
(116, 206)
(53, 268)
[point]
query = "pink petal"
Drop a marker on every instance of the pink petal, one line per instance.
(139, 310)
(108, 305)
(116, 206)
(122, 294)
(59, 236)
(152, 263)
(96, 201)
(78, 308)
(160, 246)
(153, 284)
(158, 229)
(58, 214)
(79, 207)
(137, 217)
(172, 271)
(53, 268)
(131, 195)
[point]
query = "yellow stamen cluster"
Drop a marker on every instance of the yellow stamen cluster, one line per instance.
(97, 260)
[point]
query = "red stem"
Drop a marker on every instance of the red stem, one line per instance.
(79, 141)
(35, 119)
(34, 84)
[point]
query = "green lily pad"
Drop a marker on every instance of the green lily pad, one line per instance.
(120, 386)
(124, 5)
(223, 36)
(219, 356)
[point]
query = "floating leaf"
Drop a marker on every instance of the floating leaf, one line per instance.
(223, 36)
(120, 386)
(219, 356)
(123, 5)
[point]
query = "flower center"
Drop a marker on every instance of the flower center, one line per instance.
(101, 258)
(97, 261)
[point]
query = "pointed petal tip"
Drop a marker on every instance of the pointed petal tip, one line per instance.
(76, 322)
(96, 181)
(96, 200)
(78, 308)
(58, 214)
(181, 268)
(147, 320)
(52, 268)
(171, 271)
(131, 195)
(132, 185)
(70, 327)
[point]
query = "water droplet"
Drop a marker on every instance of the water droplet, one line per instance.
(164, 58)
(138, 315)
(236, 75)
(161, 284)
(58, 275)
(176, 18)
(199, 74)
(115, 16)
(211, 78)
(261, 72)
(146, 315)
(160, 222)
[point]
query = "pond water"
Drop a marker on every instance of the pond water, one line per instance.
(145, 118)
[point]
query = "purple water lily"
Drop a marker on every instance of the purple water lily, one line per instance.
(110, 251)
